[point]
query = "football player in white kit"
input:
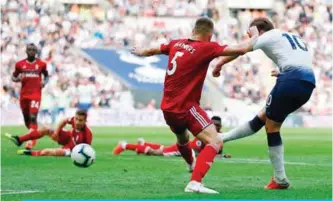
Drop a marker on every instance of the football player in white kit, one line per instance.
(293, 88)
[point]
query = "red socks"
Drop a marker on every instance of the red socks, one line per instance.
(132, 147)
(35, 153)
(32, 135)
(204, 161)
(142, 149)
(186, 152)
(152, 145)
(33, 126)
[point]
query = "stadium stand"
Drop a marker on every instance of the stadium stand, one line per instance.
(60, 30)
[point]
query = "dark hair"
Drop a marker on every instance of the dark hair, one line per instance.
(262, 24)
(217, 119)
(82, 113)
(203, 25)
(32, 45)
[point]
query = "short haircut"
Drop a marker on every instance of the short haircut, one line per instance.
(32, 45)
(262, 24)
(203, 25)
(82, 113)
(216, 119)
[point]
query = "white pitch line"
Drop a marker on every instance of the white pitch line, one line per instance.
(13, 192)
(262, 161)
(243, 160)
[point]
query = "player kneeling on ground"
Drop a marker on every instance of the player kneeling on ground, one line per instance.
(80, 134)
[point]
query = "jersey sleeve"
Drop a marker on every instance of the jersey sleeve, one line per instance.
(70, 120)
(88, 136)
(17, 70)
(264, 40)
(44, 69)
(214, 50)
(165, 48)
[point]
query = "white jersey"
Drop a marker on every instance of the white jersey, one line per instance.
(288, 52)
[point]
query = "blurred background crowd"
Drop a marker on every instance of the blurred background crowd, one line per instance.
(61, 29)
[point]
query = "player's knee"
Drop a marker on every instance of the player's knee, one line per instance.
(45, 152)
(272, 126)
(183, 138)
(33, 118)
(210, 136)
(44, 131)
(26, 120)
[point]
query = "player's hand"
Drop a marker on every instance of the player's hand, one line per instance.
(217, 70)
(136, 52)
(253, 32)
(275, 73)
(226, 155)
(17, 79)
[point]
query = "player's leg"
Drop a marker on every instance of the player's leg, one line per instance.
(203, 129)
(184, 148)
(178, 124)
(32, 126)
(285, 98)
(31, 135)
(247, 129)
(45, 152)
(33, 114)
(141, 141)
(25, 105)
(122, 146)
(171, 150)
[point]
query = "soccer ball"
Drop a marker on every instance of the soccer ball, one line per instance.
(83, 155)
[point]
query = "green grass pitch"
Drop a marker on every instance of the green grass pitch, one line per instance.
(128, 176)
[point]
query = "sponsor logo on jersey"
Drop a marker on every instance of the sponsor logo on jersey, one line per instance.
(30, 74)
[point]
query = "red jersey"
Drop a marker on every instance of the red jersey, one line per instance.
(78, 137)
(187, 69)
(31, 77)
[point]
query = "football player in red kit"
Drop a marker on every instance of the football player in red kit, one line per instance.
(148, 148)
(68, 139)
(29, 72)
(187, 67)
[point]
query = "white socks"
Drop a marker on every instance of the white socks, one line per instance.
(276, 155)
(237, 133)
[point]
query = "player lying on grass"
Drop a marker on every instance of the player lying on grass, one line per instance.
(68, 139)
(30, 72)
(188, 63)
(293, 88)
(148, 148)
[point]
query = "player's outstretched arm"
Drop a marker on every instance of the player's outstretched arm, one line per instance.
(61, 125)
(46, 76)
(45, 152)
(220, 63)
(16, 74)
(244, 47)
(146, 52)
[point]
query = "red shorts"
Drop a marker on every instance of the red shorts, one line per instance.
(171, 151)
(29, 106)
(195, 120)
